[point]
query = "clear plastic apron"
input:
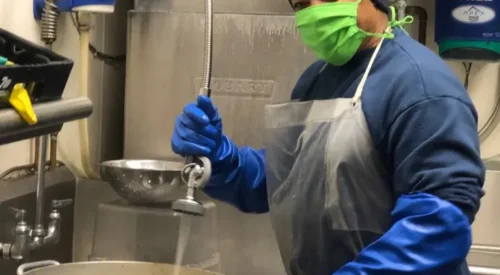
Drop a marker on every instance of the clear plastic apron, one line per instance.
(328, 193)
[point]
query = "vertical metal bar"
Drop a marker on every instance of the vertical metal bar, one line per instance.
(37, 152)
(53, 151)
(40, 187)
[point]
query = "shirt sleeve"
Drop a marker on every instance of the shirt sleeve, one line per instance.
(433, 153)
(240, 179)
(433, 147)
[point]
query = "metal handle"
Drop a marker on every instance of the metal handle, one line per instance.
(19, 213)
(34, 265)
(58, 204)
(477, 270)
(207, 172)
(201, 178)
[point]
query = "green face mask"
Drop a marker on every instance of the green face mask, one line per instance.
(331, 30)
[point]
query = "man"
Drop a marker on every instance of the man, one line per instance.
(372, 168)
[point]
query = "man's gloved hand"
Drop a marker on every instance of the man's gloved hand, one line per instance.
(198, 130)
(238, 176)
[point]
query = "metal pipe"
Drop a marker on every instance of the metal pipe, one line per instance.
(53, 151)
(400, 6)
(50, 114)
(27, 168)
(37, 146)
(486, 248)
(207, 75)
(477, 270)
(207, 68)
(39, 229)
(421, 13)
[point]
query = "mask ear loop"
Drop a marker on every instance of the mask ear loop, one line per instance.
(399, 23)
(393, 23)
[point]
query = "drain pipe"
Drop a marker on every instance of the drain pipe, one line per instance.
(400, 6)
(53, 151)
(421, 13)
(39, 230)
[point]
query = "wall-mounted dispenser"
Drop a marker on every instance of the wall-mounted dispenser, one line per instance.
(468, 29)
(99, 6)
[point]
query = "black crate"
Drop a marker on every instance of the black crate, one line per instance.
(44, 71)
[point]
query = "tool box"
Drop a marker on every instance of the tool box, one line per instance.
(43, 72)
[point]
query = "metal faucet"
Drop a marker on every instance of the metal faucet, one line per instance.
(198, 174)
(27, 239)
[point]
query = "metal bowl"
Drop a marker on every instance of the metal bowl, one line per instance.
(143, 182)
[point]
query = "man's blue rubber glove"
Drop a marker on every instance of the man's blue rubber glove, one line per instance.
(238, 175)
(198, 130)
(430, 236)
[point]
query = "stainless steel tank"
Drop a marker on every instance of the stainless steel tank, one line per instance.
(107, 85)
(125, 232)
(258, 57)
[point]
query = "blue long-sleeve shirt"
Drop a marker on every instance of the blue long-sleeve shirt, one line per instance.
(421, 120)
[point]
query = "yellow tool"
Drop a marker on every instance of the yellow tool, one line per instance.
(20, 100)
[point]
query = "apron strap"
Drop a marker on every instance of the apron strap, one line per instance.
(361, 85)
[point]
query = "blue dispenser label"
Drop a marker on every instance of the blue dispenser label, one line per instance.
(468, 20)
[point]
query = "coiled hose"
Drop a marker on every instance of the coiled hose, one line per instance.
(207, 68)
(207, 71)
(50, 15)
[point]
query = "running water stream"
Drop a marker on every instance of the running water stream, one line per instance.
(184, 232)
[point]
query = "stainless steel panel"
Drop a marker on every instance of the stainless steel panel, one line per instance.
(221, 6)
(89, 194)
(134, 233)
(246, 243)
(257, 60)
(107, 85)
(21, 193)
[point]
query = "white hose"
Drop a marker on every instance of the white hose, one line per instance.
(86, 170)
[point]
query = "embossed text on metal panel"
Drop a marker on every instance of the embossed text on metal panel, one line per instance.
(239, 87)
